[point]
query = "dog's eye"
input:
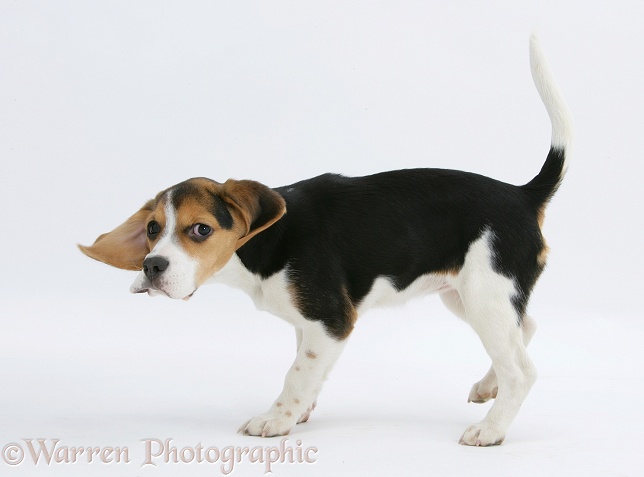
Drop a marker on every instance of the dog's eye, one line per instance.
(201, 230)
(153, 229)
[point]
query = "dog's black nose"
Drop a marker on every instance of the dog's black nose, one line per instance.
(154, 266)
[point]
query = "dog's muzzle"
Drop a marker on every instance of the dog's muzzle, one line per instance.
(151, 279)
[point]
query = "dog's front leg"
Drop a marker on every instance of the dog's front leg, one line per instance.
(305, 417)
(316, 354)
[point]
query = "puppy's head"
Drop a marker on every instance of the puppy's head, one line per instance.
(187, 233)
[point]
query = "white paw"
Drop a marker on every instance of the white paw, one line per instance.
(277, 421)
(269, 424)
(482, 435)
(483, 391)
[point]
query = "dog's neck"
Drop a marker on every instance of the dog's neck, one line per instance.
(266, 253)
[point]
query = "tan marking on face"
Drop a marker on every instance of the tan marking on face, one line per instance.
(278, 404)
(297, 368)
(296, 401)
(288, 413)
(253, 207)
(310, 354)
(157, 215)
(241, 199)
(215, 251)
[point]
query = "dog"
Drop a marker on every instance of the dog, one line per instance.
(320, 252)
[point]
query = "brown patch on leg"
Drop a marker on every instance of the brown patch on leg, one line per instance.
(543, 255)
(351, 316)
(310, 307)
(455, 270)
(288, 413)
(310, 354)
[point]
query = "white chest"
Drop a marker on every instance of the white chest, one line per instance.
(271, 294)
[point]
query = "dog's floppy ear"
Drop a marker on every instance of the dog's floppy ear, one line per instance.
(259, 206)
(126, 246)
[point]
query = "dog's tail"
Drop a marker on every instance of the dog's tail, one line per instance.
(546, 183)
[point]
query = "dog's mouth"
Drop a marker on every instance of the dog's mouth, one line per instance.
(186, 298)
(153, 291)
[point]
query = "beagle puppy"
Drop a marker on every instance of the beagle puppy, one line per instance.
(320, 252)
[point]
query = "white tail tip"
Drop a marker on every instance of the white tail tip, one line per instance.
(560, 116)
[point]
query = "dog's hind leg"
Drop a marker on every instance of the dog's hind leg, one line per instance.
(487, 388)
(486, 298)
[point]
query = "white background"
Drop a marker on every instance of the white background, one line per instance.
(103, 104)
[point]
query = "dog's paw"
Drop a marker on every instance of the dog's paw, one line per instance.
(481, 435)
(483, 391)
(269, 424)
